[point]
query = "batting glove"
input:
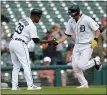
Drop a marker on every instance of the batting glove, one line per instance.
(94, 43)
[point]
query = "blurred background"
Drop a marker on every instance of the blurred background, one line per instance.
(52, 25)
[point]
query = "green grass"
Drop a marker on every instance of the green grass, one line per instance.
(58, 90)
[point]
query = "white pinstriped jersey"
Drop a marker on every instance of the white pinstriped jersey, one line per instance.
(25, 30)
(84, 29)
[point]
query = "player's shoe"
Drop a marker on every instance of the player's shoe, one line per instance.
(15, 88)
(33, 88)
(98, 64)
(83, 86)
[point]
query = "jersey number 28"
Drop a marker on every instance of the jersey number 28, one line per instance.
(19, 28)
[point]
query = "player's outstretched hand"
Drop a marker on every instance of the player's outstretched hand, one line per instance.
(94, 43)
(53, 42)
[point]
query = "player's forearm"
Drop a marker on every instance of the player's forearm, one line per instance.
(62, 39)
(43, 41)
(37, 40)
(42, 76)
(97, 33)
(94, 42)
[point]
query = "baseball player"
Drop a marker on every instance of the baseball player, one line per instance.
(87, 33)
(25, 31)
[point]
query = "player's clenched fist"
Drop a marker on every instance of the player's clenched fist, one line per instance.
(53, 42)
(94, 43)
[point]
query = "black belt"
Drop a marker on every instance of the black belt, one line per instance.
(18, 39)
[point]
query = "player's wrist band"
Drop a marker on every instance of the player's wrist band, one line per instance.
(96, 39)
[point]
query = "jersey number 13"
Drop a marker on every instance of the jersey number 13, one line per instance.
(19, 28)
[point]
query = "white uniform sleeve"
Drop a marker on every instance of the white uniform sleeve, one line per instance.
(33, 32)
(69, 30)
(93, 25)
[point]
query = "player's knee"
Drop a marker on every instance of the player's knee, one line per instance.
(16, 67)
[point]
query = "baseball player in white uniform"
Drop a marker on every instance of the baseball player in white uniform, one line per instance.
(25, 31)
(87, 33)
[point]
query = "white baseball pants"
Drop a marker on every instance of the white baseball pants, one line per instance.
(20, 57)
(81, 61)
